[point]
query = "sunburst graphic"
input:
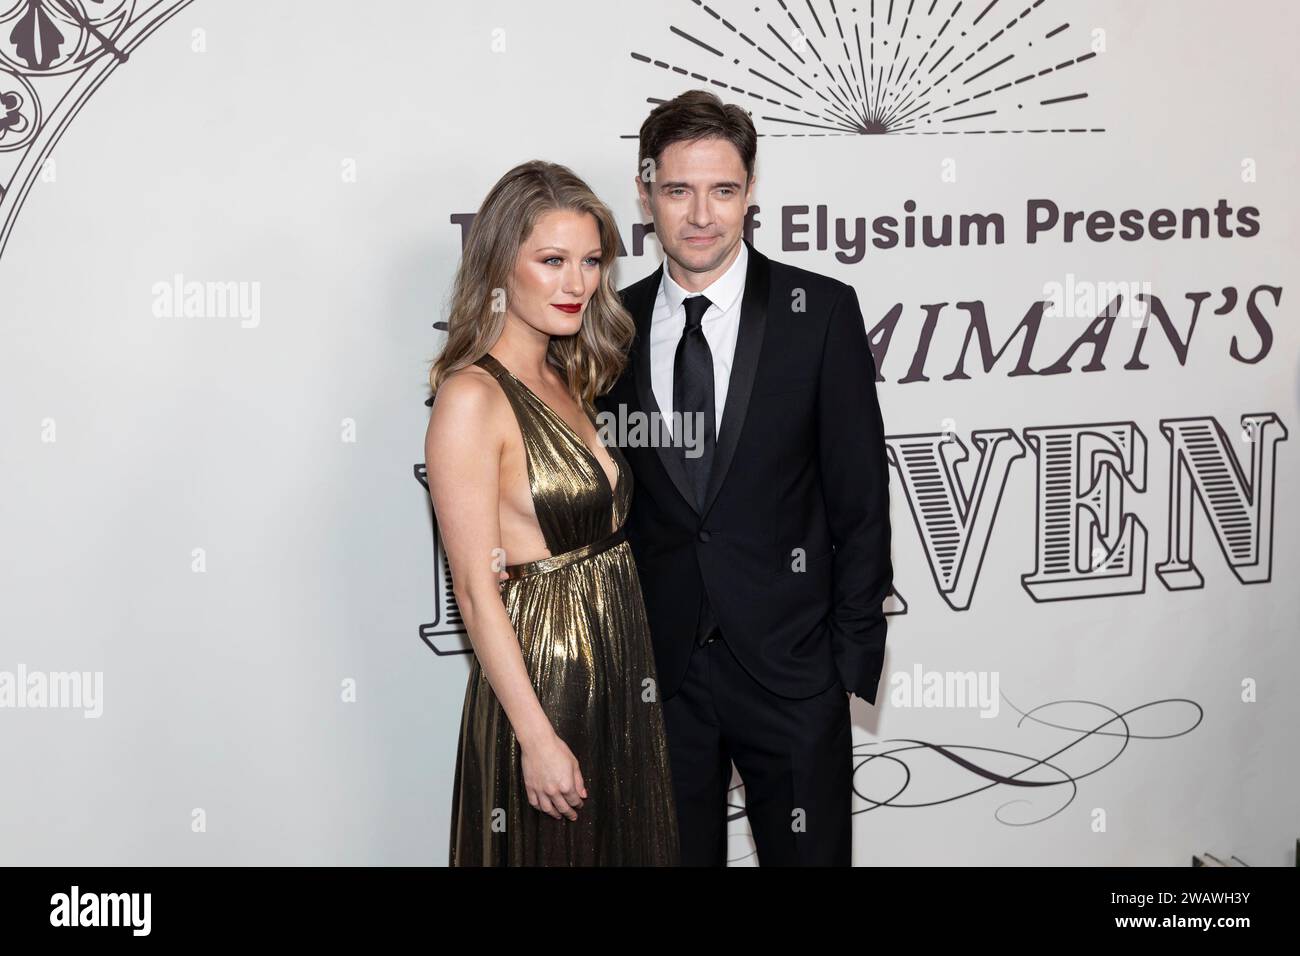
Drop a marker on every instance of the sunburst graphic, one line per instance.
(876, 67)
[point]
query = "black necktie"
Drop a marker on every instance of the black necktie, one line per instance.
(693, 396)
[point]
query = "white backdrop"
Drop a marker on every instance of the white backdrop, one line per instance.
(211, 509)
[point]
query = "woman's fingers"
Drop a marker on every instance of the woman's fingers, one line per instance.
(561, 803)
(577, 781)
(546, 806)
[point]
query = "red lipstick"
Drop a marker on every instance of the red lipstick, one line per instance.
(570, 308)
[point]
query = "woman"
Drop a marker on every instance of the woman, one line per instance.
(562, 757)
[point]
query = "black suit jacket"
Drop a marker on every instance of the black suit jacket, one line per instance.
(799, 464)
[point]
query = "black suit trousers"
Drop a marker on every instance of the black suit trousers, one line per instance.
(794, 758)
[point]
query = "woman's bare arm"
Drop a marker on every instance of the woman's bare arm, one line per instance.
(462, 454)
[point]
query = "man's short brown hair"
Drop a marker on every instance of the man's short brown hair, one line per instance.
(697, 114)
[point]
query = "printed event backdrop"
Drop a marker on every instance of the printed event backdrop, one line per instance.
(228, 233)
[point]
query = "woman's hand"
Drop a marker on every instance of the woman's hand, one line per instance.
(552, 778)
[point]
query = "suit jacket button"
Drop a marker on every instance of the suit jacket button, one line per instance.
(704, 536)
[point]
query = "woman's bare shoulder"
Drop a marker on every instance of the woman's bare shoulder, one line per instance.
(469, 401)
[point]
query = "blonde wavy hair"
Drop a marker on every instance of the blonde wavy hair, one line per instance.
(591, 359)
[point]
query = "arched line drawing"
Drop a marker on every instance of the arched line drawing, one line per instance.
(33, 61)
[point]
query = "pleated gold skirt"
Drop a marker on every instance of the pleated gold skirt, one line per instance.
(586, 644)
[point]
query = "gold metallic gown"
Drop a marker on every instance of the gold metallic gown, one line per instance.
(581, 624)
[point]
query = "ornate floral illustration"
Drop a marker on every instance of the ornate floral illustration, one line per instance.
(53, 55)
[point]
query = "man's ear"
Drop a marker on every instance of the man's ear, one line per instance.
(749, 191)
(643, 195)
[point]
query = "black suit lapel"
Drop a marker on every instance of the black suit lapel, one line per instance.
(642, 306)
(749, 340)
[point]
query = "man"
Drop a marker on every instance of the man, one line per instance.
(761, 536)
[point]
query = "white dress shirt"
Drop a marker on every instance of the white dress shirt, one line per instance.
(721, 326)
